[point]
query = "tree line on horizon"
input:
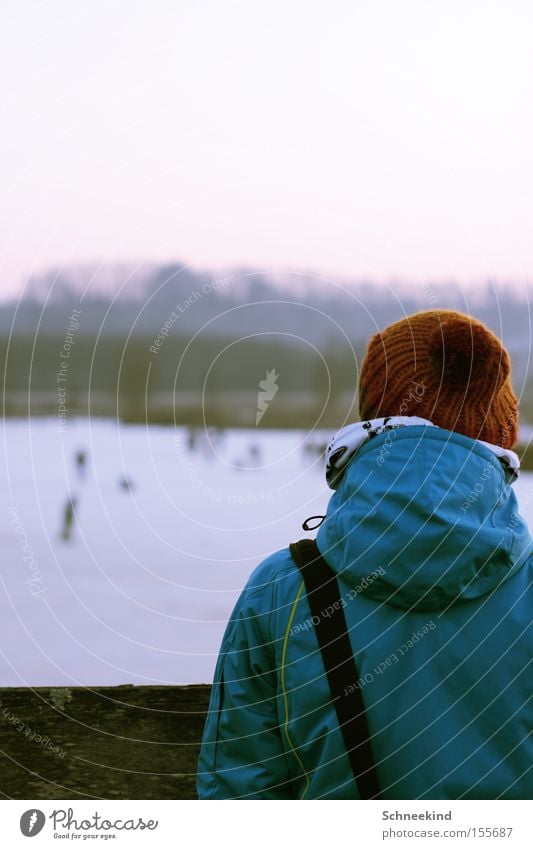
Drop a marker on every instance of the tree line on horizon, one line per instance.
(179, 342)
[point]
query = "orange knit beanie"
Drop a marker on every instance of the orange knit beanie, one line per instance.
(443, 366)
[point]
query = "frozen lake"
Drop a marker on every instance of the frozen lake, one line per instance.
(142, 590)
(164, 539)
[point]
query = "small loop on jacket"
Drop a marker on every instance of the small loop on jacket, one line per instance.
(307, 527)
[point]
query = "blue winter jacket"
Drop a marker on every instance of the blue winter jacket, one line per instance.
(434, 564)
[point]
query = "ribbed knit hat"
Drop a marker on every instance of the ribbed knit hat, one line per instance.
(444, 366)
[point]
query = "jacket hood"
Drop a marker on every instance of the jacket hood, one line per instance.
(424, 518)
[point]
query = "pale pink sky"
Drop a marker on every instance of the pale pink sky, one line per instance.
(360, 138)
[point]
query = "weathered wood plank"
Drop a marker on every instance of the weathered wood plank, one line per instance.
(104, 742)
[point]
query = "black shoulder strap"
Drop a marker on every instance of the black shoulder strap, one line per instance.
(332, 633)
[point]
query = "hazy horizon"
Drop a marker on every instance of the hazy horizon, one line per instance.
(106, 279)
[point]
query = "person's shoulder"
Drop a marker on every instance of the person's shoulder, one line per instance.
(270, 587)
(276, 567)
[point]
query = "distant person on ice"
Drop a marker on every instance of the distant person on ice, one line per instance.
(431, 567)
(81, 461)
(69, 514)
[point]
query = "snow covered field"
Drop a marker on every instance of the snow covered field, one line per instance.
(164, 538)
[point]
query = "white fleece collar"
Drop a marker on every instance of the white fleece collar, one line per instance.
(347, 441)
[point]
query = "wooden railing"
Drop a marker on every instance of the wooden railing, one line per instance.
(102, 742)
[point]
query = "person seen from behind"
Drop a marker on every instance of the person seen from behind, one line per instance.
(393, 660)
